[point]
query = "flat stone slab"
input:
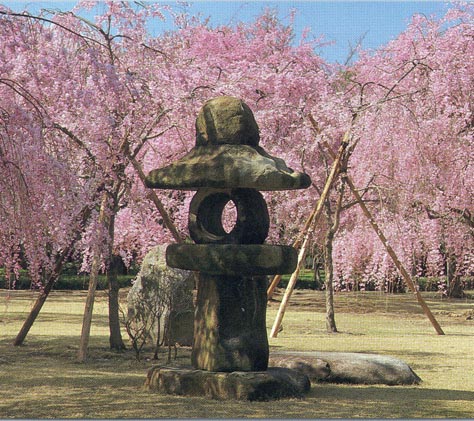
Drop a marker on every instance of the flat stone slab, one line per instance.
(275, 383)
(347, 367)
(233, 259)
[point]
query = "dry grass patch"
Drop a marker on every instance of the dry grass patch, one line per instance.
(43, 380)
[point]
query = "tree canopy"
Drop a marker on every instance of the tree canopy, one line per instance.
(88, 105)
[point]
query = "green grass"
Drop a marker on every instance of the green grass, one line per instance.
(42, 379)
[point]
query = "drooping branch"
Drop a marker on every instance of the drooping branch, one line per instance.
(52, 22)
(81, 221)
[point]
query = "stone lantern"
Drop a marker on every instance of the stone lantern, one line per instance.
(228, 165)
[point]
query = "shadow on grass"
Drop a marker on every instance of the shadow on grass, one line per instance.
(110, 385)
(395, 401)
(395, 393)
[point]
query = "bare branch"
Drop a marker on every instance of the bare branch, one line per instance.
(76, 140)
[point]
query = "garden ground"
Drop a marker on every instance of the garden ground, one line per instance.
(42, 379)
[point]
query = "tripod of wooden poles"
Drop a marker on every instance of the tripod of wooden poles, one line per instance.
(303, 240)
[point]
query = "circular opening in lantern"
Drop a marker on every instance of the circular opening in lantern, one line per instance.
(229, 216)
(237, 216)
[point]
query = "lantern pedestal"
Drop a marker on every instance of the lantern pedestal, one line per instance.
(230, 319)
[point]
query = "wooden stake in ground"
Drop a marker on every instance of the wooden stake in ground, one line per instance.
(406, 276)
(335, 169)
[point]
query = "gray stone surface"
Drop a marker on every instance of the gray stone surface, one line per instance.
(348, 367)
(227, 166)
(156, 284)
(227, 155)
(315, 368)
(205, 217)
(226, 120)
(233, 259)
(275, 383)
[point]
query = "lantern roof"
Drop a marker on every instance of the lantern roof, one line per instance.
(227, 155)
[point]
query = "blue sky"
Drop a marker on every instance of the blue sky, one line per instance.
(341, 22)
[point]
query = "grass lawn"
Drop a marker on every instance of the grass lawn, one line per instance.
(42, 379)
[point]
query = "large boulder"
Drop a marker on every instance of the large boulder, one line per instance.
(347, 367)
(164, 296)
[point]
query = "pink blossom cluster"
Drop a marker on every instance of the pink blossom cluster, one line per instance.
(84, 103)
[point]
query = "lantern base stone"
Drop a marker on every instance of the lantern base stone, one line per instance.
(275, 383)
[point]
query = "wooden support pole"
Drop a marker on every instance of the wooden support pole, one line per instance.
(406, 276)
(290, 287)
(335, 169)
(83, 218)
(297, 244)
(317, 209)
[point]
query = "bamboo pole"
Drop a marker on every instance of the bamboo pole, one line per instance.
(296, 244)
(406, 276)
(290, 286)
(335, 169)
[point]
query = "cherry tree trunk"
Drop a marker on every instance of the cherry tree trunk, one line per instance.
(455, 289)
(328, 282)
(83, 218)
(93, 279)
(115, 339)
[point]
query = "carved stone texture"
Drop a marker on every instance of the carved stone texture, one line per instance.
(226, 120)
(275, 383)
(227, 155)
(233, 259)
(205, 217)
(230, 326)
(228, 166)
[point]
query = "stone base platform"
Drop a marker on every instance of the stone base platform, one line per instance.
(275, 383)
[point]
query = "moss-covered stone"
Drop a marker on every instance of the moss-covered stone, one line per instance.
(230, 327)
(233, 259)
(205, 217)
(228, 120)
(228, 166)
(275, 383)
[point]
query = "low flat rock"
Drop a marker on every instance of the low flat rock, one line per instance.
(275, 383)
(347, 367)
